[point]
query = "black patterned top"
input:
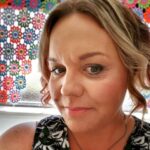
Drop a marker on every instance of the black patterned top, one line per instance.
(51, 134)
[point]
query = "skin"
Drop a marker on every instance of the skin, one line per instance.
(88, 80)
(19, 137)
(88, 83)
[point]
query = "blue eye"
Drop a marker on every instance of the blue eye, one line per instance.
(94, 69)
(58, 70)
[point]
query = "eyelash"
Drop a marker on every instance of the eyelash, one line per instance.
(94, 66)
(57, 68)
(98, 67)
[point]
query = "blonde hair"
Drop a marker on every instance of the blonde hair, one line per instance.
(129, 33)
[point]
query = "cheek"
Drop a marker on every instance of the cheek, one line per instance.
(108, 91)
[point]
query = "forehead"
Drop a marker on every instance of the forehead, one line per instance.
(75, 24)
(77, 34)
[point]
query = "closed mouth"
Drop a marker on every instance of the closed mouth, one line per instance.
(77, 108)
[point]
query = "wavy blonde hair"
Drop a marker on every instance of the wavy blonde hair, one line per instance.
(129, 33)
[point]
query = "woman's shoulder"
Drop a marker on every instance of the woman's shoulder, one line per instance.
(140, 136)
(53, 123)
(51, 133)
(52, 119)
(18, 137)
(141, 128)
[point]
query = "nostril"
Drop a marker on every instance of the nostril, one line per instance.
(73, 89)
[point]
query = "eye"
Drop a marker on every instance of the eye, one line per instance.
(94, 69)
(58, 70)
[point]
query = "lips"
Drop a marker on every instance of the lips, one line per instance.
(77, 108)
(76, 111)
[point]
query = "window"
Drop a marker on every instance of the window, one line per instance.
(21, 23)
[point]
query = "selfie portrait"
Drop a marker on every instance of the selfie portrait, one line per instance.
(75, 75)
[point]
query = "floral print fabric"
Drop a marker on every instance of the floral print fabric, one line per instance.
(51, 134)
(140, 136)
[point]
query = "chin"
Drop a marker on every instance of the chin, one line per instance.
(80, 125)
(77, 127)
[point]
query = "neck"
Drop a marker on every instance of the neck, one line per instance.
(90, 140)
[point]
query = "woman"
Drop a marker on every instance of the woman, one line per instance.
(91, 53)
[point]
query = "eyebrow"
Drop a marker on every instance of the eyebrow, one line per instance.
(91, 54)
(52, 59)
(82, 57)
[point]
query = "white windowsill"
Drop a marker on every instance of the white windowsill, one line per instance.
(28, 110)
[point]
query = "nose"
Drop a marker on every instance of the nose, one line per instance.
(71, 85)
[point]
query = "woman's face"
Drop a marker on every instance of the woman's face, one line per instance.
(88, 80)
